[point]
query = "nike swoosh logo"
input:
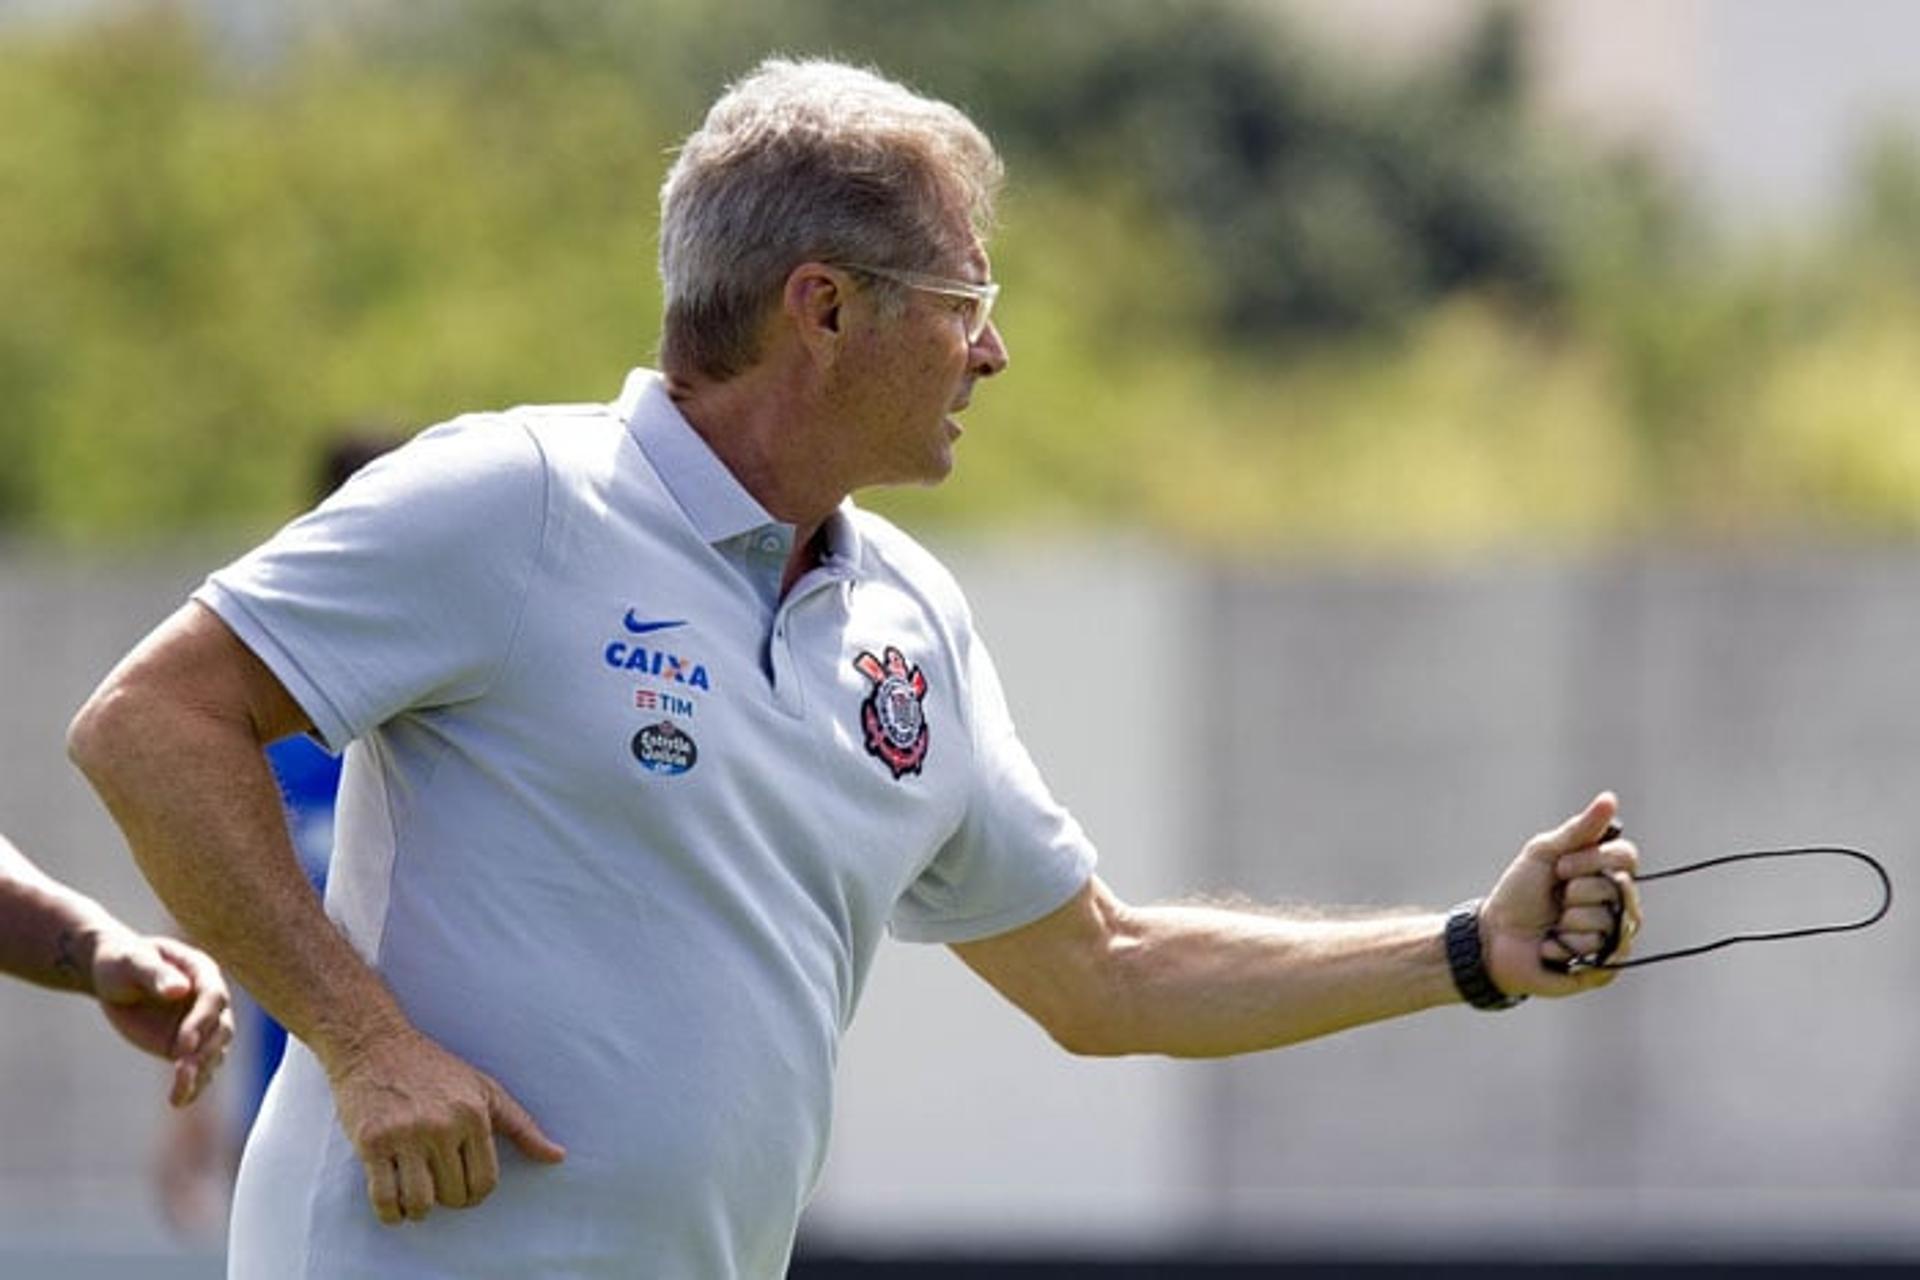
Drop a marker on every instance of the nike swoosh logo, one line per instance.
(640, 628)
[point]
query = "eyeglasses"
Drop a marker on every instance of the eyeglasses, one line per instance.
(979, 297)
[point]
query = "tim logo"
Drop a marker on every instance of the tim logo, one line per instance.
(645, 699)
(894, 716)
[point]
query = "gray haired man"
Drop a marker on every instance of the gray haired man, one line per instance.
(652, 734)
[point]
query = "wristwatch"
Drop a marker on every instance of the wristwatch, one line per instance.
(1468, 965)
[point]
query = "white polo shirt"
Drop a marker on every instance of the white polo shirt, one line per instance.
(623, 828)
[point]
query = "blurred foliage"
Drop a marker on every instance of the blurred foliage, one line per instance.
(207, 272)
(1257, 302)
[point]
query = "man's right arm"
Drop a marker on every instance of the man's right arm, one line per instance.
(172, 741)
(161, 995)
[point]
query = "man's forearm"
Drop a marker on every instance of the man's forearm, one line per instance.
(191, 790)
(47, 930)
(1196, 981)
(1200, 981)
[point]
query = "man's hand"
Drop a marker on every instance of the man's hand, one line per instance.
(1559, 899)
(424, 1121)
(165, 998)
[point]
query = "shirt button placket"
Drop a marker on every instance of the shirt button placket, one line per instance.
(786, 676)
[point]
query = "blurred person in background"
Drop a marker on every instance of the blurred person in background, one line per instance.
(651, 733)
(163, 996)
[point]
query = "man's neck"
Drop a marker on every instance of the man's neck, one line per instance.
(753, 428)
(758, 429)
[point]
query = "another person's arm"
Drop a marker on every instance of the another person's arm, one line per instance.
(1103, 977)
(163, 996)
(172, 741)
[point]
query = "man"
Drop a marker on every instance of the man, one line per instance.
(653, 733)
(164, 997)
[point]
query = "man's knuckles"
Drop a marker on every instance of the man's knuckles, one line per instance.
(1588, 919)
(388, 1136)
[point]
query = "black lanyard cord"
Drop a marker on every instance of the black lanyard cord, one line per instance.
(1777, 935)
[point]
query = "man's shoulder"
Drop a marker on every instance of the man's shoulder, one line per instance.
(567, 427)
(533, 436)
(891, 551)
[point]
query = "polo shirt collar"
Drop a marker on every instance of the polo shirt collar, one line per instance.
(714, 502)
(840, 538)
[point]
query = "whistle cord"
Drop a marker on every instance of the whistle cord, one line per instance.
(1600, 961)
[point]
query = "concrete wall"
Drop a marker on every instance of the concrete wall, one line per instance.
(1415, 727)
(1376, 737)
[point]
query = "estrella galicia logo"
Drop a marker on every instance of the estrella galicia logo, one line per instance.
(894, 715)
(665, 748)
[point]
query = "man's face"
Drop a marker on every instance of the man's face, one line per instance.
(916, 372)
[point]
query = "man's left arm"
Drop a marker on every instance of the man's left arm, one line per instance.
(163, 996)
(1103, 977)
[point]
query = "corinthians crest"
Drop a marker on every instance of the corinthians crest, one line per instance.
(893, 715)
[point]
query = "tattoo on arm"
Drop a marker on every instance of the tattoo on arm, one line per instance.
(66, 959)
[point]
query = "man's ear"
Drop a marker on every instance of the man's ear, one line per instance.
(814, 302)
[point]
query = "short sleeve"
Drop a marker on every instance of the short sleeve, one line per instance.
(1017, 854)
(402, 590)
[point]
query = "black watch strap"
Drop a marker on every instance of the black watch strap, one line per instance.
(1468, 965)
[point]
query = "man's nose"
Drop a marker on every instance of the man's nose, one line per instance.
(990, 352)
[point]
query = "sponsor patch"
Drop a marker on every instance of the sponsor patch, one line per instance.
(645, 699)
(894, 716)
(646, 658)
(665, 748)
(640, 627)
(657, 663)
